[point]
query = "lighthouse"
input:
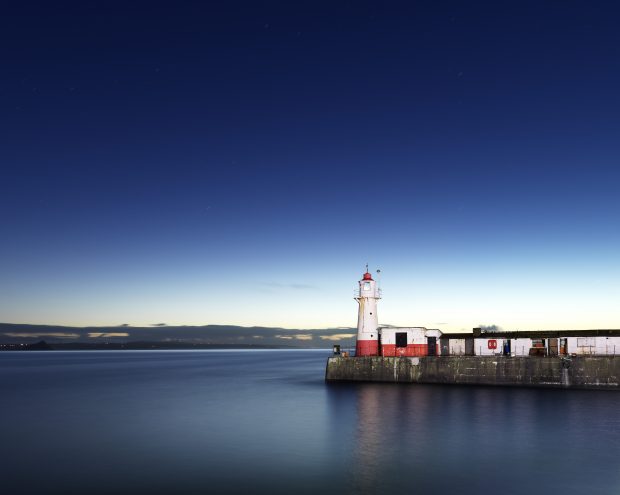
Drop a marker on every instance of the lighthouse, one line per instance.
(367, 321)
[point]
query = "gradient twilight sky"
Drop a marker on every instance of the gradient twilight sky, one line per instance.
(239, 163)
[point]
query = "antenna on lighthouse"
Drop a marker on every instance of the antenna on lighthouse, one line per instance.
(379, 278)
(366, 267)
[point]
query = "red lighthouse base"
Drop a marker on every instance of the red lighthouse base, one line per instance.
(367, 348)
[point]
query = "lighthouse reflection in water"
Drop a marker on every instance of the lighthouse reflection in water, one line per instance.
(265, 422)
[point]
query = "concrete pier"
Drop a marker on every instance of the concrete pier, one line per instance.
(583, 372)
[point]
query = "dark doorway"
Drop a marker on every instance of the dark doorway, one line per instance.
(401, 339)
(432, 346)
(507, 347)
(469, 346)
(553, 347)
(445, 346)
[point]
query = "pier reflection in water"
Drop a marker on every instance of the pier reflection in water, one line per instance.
(447, 439)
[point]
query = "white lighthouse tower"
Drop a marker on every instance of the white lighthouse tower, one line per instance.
(367, 321)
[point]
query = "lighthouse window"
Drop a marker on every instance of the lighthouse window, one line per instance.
(366, 285)
(401, 339)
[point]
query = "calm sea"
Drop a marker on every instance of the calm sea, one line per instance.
(210, 422)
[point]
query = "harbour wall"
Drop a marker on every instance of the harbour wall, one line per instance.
(583, 372)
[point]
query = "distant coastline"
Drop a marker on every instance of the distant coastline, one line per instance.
(16, 336)
(131, 346)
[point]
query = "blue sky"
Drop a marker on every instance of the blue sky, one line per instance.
(239, 163)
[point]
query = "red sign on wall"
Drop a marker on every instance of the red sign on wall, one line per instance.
(492, 344)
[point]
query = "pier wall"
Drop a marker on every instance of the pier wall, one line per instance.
(585, 372)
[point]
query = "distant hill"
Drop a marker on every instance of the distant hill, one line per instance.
(175, 336)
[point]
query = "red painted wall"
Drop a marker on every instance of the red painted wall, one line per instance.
(412, 350)
(367, 348)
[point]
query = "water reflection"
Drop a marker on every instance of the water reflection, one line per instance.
(441, 439)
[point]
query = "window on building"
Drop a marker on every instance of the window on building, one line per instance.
(401, 339)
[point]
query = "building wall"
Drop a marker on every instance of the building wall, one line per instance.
(581, 346)
(521, 347)
(481, 347)
(457, 347)
(417, 342)
(600, 346)
(518, 347)
(412, 350)
(415, 335)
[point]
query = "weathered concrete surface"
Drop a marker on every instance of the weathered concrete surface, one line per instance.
(591, 372)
